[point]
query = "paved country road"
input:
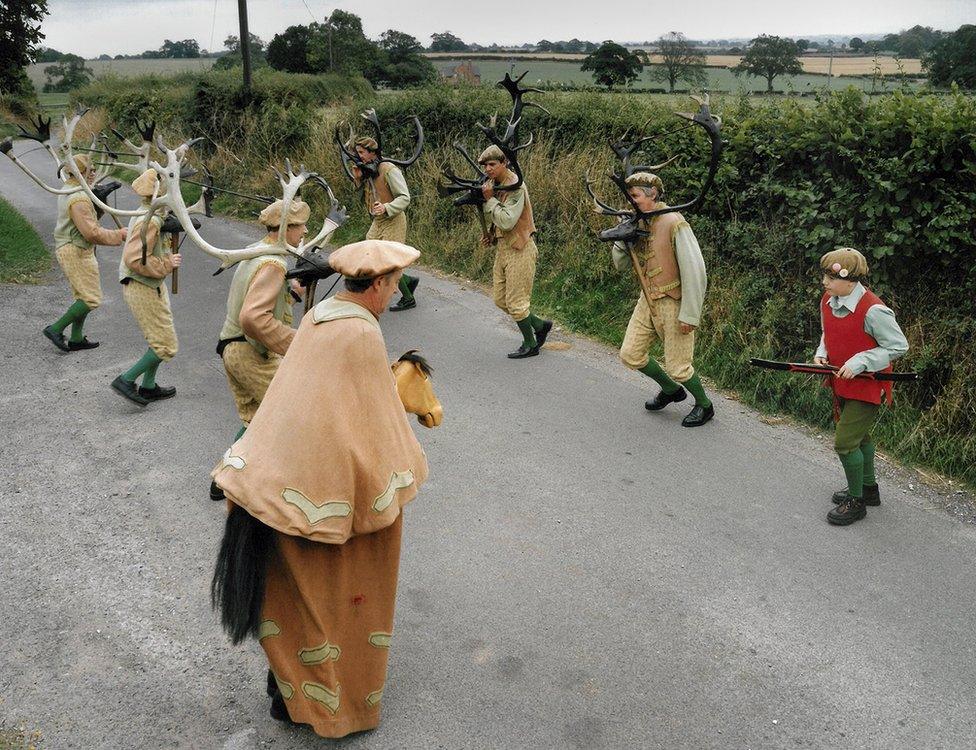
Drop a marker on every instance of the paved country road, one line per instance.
(577, 572)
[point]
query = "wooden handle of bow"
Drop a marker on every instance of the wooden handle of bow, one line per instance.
(175, 283)
(640, 276)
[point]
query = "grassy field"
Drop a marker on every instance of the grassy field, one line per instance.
(128, 68)
(22, 253)
(811, 63)
(567, 72)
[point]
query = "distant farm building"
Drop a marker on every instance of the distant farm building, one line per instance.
(466, 72)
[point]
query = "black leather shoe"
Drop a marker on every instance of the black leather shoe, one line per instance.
(543, 333)
(698, 416)
(56, 338)
(77, 346)
(404, 304)
(871, 495)
(217, 494)
(662, 399)
(128, 390)
(157, 392)
(847, 512)
(524, 351)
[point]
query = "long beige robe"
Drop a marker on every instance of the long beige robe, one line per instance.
(328, 461)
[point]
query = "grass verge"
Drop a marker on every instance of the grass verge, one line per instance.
(23, 255)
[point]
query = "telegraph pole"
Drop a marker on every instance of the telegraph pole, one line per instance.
(245, 45)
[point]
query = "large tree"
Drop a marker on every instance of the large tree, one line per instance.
(68, 74)
(768, 57)
(233, 57)
(185, 48)
(953, 58)
(613, 65)
(340, 46)
(401, 63)
(680, 60)
(446, 42)
(20, 34)
(289, 49)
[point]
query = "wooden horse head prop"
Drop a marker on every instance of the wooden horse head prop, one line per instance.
(412, 374)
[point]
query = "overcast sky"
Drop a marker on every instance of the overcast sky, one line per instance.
(93, 27)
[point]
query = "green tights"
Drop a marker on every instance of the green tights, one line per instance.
(75, 316)
(146, 366)
(693, 384)
(528, 326)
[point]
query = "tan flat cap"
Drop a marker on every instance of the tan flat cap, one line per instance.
(82, 164)
(492, 153)
(646, 179)
(298, 213)
(145, 184)
(371, 258)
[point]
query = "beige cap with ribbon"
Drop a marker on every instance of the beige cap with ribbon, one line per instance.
(298, 213)
(371, 258)
(646, 179)
(145, 184)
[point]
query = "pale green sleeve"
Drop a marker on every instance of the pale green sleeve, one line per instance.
(505, 215)
(691, 264)
(401, 193)
(620, 255)
(879, 324)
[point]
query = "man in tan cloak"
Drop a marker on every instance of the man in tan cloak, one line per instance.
(315, 487)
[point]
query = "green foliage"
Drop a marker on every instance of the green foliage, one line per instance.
(288, 50)
(185, 48)
(20, 33)
(680, 60)
(953, 59)
(446, 42)
(770, 56)
(613, 65)
(22, 252)
(69, 74)
(894, 176)
(277, 114)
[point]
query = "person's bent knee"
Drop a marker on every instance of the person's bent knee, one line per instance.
(166, 352)
(679, 374)
(633, 363)
(92, 303)
(518, 315)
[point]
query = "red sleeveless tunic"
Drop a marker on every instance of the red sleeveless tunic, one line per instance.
(845, 337)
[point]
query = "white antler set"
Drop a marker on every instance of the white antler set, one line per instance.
(168, 197)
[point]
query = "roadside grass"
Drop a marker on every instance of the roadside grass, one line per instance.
(23, 255)
(19, 737)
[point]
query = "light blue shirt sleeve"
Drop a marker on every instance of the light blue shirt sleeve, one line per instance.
(879, 324)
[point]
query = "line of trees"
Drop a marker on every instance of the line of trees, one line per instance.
(339, 46)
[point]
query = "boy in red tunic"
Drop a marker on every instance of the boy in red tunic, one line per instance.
(860, 335)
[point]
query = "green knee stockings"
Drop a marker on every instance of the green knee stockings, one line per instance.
(75, 316)
(693, 384)
(404, 287)
(146, 366)
(853, 464)
(528, 331)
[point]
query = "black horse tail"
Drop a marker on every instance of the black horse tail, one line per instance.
(237, 589)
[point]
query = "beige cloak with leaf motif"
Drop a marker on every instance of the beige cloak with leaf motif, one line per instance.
(328, 461)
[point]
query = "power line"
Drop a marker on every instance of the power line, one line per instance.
(213, 25)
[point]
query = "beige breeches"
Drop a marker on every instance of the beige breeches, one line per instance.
(81, 268)
(248, 374)
(512, 276)
(659, 321)
(154, 316)
(392, 229)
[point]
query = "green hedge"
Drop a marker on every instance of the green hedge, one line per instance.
(893, 176)
(277, 114)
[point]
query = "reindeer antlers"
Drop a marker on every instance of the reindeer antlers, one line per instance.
(629, 228)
